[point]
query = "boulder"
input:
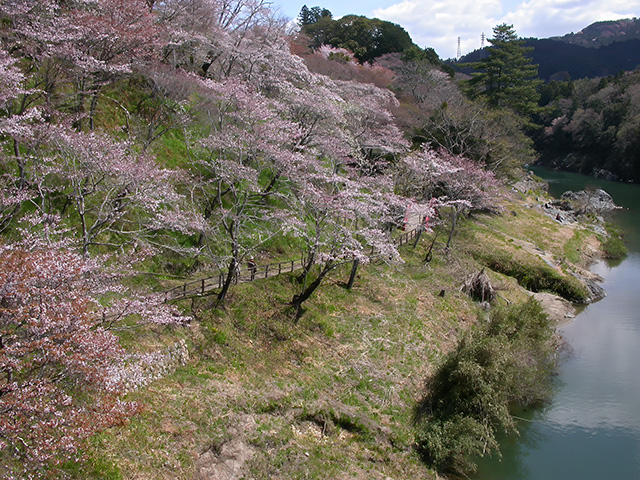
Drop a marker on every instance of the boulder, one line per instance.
(605, 175)
(589, 201)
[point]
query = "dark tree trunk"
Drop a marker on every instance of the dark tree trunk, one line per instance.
(429, 255)
(272, 184)
(352, 277)
(233, 265)
(298, 300)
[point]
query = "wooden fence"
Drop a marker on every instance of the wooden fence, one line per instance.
(406, 237)
(247, 274)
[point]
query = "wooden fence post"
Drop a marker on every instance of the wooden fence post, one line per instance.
(418, 235)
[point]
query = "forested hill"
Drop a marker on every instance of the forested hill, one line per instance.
(587, 113)
(144, 142)
(592, 126)
(559, 60)
(604, 33)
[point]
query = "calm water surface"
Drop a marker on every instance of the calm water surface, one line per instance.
(592, 428)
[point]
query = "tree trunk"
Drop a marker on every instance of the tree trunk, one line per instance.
(94, 103)
(429, 254)
(298, 300)
(92, 110)
(21, 168)
(306, 268)
(233, 265)
(227, 281)
(272, 184)
(352, 277)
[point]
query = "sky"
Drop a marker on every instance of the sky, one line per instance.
(439, 23)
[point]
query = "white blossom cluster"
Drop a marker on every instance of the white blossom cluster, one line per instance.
(139, 370)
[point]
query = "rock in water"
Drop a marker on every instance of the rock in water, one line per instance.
(590, 201)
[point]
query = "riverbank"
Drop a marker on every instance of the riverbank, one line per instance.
(575, 212)
(591, 429)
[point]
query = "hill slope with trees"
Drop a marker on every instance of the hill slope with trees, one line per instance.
(147, 144)
(593, 127)
(604, 33)
(599, 50)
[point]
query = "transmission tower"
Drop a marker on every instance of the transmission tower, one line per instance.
(459, 51)
(482, 37)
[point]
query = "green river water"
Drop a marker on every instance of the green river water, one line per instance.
(591, 430)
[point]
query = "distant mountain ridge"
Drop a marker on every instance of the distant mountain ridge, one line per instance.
(599, 50)
(559, 60)
(599, 34)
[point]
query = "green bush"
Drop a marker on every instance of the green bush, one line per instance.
(613, 246)
(507, 361)
(535, 277)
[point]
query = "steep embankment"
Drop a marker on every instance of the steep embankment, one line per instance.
(333, 395)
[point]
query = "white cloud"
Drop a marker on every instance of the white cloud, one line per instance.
(546, 18)
(439, 23)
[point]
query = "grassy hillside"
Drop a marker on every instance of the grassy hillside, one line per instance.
(190, 143)
(333, 395)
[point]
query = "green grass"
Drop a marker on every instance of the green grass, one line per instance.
(332, 395)
(573, 247)
(534, 276)
(613, 245)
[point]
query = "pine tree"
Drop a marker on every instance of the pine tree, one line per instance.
(506, 77)
(309, 16)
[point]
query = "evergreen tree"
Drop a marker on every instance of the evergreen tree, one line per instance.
(366, 38)
(309, 16)
(506, 77)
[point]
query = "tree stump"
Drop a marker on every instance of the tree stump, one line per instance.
(478, 286)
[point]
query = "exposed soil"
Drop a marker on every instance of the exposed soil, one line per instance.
(559, 310)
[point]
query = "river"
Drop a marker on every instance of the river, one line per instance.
(591, 430)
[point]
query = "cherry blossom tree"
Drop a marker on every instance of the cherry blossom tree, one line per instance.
(106, 39)
(369, 126)
(55, 359)
(164, 106)
(62, 370)
(341, 64)
(340, 219)
(269, 125)
(116, 194)
(96, 41)
(455, 182)
(210, 36)
(247, 149)
(12, 193)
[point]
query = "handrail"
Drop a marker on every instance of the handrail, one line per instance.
(204, 285)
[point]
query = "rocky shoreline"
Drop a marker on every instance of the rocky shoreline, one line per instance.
(581, 208)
